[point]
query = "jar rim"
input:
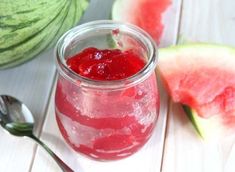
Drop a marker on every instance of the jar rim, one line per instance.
(138, 77)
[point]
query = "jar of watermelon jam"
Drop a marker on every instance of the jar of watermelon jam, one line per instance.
(106, 101)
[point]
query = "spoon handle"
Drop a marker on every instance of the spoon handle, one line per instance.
(63, 166)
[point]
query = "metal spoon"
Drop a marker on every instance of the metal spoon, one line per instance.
(16, 118)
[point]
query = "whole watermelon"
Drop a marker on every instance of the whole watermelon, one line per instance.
(29, 26)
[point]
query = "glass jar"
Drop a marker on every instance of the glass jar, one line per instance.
(106, 120)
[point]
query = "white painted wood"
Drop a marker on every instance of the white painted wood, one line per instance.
(31, 83)
(148, 159)
(186, 151)
(207, 21)
(171, 23)
(230, 165)
(16, 152)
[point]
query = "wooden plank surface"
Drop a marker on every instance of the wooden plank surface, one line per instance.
(148, 159)
(206, 21)
(31, 83)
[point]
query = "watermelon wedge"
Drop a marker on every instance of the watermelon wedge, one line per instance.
(147, 14)
(202, 78)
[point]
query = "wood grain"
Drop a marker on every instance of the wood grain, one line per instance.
(148, 159)
(208, 21)
(204, 21)
(31, 83)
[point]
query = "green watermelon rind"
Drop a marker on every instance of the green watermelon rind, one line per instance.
(46, 41)
(84, 4)
(193, 117)
(206, 128)
(66, 23)
(16, 55)
(172, 50)
(26, 28)
(19, 50)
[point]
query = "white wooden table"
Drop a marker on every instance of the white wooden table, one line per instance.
(174, 146)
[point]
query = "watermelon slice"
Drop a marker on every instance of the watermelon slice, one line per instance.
(147, 14)
(202, 78)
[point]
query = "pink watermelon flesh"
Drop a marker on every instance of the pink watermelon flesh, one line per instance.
(146, 14)
(205, 82)
(210, 91)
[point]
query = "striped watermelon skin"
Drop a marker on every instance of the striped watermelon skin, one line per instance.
(29, 27)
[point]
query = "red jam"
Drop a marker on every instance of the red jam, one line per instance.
(106, 64)
(105, 124)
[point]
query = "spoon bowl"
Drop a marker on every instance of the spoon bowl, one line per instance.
(17, 119)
